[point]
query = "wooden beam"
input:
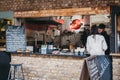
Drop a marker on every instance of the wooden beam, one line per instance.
(61, 12)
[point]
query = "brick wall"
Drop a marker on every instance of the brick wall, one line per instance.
(21, 5)
(116, 68)
(50, 67)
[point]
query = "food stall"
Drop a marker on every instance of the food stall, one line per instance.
(54, 35)
(50, 47)
(49, 53)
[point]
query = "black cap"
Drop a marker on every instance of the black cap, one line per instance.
(102, 26)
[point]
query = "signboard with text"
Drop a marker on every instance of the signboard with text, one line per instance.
(15, 38)
(105, 67)
(97, 68)
(93, 70)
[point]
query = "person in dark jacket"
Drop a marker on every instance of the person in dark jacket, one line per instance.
(85, 34)
(5, 59)
(101, 30)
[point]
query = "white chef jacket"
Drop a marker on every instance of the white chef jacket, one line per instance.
(96, 45)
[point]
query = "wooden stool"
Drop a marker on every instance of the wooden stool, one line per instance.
(16, 72)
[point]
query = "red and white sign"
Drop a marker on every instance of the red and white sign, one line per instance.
(61, 21)
(76, 24)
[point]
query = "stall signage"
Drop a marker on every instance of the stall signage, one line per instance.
(97, 68)
(15, 38)
(92, 66)
(105, 67)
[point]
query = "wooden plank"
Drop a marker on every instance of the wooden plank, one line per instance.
(61, 12)
(84, 73)
(115, 54)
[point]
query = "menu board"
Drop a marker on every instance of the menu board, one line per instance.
(93, 70)
(15, 38)
(97, 68)
(105, 67)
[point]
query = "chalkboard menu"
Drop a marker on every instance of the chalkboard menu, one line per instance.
(97, 68)
(15, 38)
(92, 66)
(105, 67)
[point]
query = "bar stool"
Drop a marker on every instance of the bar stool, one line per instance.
(16, 72)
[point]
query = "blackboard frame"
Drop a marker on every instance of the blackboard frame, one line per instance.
(84, 73)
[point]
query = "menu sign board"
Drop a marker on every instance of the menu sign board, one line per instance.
(97, 68)
(90, 69)
(105, 67)
(15, 38)
(93, 68)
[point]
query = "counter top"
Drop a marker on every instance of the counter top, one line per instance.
(47, 55)
(115, 54)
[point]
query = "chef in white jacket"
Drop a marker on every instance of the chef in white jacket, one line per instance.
(96, 44)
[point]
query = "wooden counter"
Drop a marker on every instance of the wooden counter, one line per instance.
(115, 54)
(48, 55)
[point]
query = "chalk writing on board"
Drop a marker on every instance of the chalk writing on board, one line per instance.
(104, 66)
(15, 38)
(93, 69)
